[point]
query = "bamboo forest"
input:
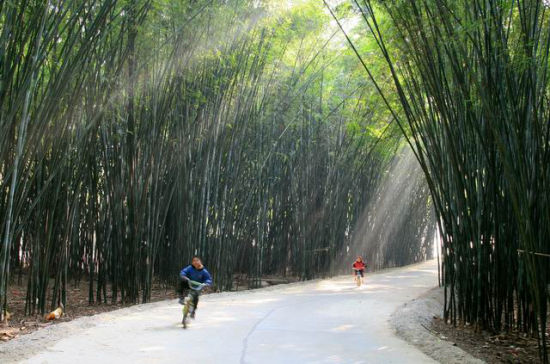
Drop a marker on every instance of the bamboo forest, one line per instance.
(276, 139)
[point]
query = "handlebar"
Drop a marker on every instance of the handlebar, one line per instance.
(196, 286)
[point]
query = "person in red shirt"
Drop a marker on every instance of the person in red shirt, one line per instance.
(359, 266)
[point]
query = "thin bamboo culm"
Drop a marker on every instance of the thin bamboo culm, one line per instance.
(472, 81)
(130, 141)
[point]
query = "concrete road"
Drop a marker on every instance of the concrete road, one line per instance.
(327, 321)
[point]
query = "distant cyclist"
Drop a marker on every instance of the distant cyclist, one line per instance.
(359, 267)
(194, 272)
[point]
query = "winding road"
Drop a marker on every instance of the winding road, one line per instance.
(322, 321)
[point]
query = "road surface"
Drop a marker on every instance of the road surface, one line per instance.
(326, 321)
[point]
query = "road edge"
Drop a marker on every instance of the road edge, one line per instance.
(29, 345)
(411, 322)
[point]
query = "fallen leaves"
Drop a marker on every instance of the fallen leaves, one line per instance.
(507, 347)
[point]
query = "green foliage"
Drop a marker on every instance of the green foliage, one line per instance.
(135, 134)
(471, 78)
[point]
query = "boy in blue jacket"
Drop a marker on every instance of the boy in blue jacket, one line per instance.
(195, 272)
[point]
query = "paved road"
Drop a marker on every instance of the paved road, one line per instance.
(328, 321)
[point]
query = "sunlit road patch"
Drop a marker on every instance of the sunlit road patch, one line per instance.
(328, 321)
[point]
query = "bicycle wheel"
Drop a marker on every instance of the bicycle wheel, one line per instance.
(185, 311)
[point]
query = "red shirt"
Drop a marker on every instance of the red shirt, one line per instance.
(359, 265)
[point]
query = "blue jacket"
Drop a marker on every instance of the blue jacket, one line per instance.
(197, 275)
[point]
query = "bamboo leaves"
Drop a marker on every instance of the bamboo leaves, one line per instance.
(152, 132)
(472, 82)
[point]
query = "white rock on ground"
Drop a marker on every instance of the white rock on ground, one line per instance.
(326, 321)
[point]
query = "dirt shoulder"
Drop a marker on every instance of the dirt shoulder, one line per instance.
(20, 324)
(419, 323)
(412, 323)
(509, 347)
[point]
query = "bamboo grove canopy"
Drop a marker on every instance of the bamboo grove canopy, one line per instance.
(471, 95)
(137, 133)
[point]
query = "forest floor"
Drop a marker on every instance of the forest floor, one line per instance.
(79, 306)
(321, 321)
(463, 344)
(492, 348)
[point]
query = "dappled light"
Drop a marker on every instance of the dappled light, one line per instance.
(342, 328)
(152, 348)
(335, 286)
(306, 149)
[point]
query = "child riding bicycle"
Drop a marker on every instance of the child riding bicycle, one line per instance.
(359, 268)
(194, 272)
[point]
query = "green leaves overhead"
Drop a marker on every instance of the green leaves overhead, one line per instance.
(135, 134)
(472, 84)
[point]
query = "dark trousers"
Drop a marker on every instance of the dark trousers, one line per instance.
(183, 289)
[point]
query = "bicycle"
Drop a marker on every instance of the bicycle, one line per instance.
(188, 306)
(358, 277)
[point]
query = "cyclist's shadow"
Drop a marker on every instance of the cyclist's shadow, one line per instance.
(171, 327)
